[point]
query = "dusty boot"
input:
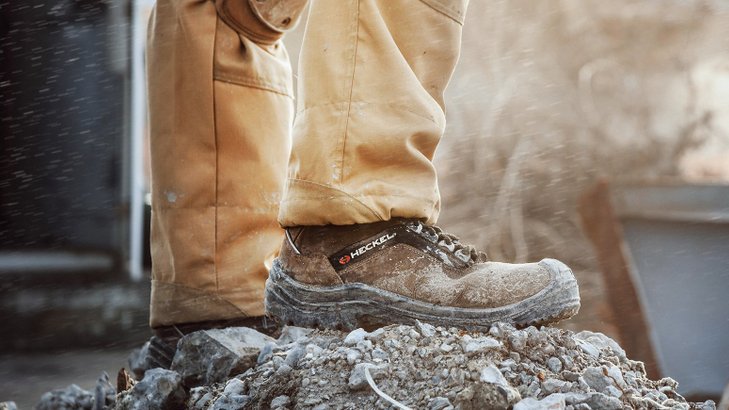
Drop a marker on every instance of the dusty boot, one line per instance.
(371, 275)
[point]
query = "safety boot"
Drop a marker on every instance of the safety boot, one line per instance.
(371, 275)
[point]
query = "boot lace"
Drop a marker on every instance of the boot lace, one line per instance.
(466, 253)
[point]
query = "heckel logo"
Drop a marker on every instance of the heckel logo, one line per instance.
(364, 249)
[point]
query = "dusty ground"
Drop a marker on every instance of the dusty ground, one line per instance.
(403, 366)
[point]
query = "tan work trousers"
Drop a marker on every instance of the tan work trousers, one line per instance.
(368, 118)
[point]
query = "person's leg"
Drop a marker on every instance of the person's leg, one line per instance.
(362, 192)
(370, 110)
(221, 109)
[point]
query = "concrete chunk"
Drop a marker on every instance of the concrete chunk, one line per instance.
(159, 389)
(211, 356)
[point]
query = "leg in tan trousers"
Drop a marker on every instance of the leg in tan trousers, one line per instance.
(370, 110)
(221, 109)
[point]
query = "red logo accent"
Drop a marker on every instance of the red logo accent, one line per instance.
(344, 260)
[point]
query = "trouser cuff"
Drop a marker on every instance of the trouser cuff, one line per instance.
(176, 304)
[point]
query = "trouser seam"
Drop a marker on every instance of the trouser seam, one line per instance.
(440, 8)
(351, 90)
(252, 83)
(217, 154)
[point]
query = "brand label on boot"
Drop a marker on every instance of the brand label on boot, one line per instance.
(345, 259)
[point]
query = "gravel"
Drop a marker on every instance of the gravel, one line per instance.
(419, 366)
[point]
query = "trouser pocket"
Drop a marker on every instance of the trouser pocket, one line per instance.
(264, 22)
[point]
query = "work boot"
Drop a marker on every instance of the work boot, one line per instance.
(163, 345)
(371, 275)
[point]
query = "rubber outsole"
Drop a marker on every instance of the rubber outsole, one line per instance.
(353, 305)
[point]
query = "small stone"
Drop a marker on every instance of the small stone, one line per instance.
(508, 364)
(8, 405)
(280, 401)
(603, 402)
(439, 403)
(71, 397)
(491, 374)
(231, 402)
(568, 362)
(234, 386)
(446, 347)
(555, 386)
(266, 353)
(290, 334)
(312, 400)
(588, 348)
(376, 334)
(159, 389)
(551, 402)
(355, 337)
(104, 392)
(200, 398)
(711, 405)
(140, 361)
(596, 379)
(554, 364)
(533, 389)
(358, 379)
(294, 355)
(481, 344)
(313, 350)
(600, 341)
(614, 373)
(572, 398)
(277, 361)
(392, 344)
(593, 401)
(486, 396)
(426, 329)
(379, 354)
(353, 355)
(613, 391)
(518, 340)
(365, 345)
(414, 334)
(284, 370)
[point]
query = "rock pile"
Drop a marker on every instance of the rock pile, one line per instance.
(419, 366)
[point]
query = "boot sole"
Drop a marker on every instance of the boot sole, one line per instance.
(354, 305)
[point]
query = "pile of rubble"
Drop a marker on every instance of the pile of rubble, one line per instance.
(419, 366)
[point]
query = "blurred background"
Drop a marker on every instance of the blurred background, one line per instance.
(590, 131)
